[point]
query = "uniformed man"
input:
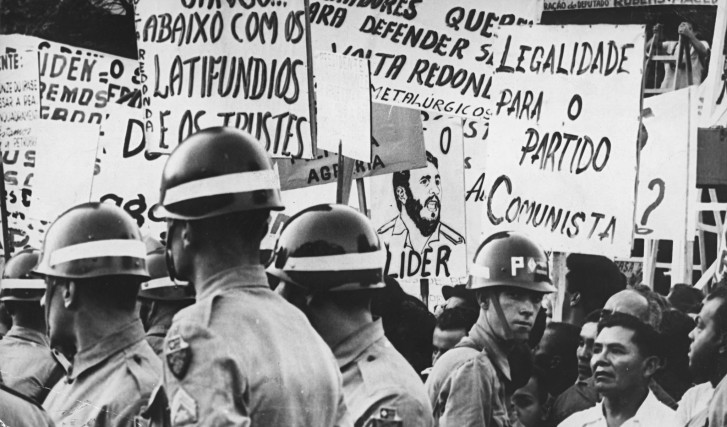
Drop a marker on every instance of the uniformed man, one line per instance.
(241, 355)
(93, 261)
(161, 298)
(467, 385)
(18, 410)
(418, 227)
(330, 263)
(26, 362)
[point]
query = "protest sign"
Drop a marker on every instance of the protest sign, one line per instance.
(343, 105)
(19, 118)
(426, 55)
(561, 160)
(419, 214)
(68, 162)
(397, 144)
(667, 168)
(555, 5)
(235, 64)
(127, 175)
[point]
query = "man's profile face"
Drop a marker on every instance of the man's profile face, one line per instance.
(617, 363)
(705, 337)
(589, 331)
(422, 200)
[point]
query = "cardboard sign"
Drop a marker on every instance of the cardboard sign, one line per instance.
(68, 163)
(343, 105)
(239, 64)
(561, 158)
(127, 175)
(667, 168)
(430, 55)
(554, 5)
(397, 144)
(419, 214)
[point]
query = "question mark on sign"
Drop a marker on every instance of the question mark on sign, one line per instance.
(656, 182)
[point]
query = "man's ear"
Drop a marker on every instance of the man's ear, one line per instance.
(188, 234)
(69, 291)
(651, 365)
(575, 299)
(400, 193)
(722, 344)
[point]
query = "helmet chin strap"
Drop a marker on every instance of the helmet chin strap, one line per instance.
(169, 258)
(495, 301)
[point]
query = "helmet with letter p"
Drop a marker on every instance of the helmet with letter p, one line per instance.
(510, 259)
(329, 248)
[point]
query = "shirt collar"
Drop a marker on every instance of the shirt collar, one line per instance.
(106, 347)
(241, 276)
(28, 334)
(484, 338)
(353, 345)
(643, 416)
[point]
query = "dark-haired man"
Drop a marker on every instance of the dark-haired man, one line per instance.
(556, 355)
(591, 280)
(625, 358)
(418, 227)
(452, 325)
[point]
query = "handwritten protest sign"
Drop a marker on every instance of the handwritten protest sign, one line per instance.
(425, 55)
(124, 164)
(397, 145)
(19, 118)
(561, 158)
(240, 64)
(343, 105)
(419, 213)
(553, 5)
(69, 161)
(667, 168)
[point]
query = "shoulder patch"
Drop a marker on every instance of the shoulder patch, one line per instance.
(386, 227)
(178, 355)
(450, 234)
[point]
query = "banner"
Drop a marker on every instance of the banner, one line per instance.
(419, 213)
(667, 168)
(397, 144)
(554, 5)
(432, 55)
(64, 170)
(561, 159)
(126, 174)
(343, 105)
(239, 64)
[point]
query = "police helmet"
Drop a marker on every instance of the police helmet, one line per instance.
(510, 259)
(217, 171)
(18, 281)
(329, 247)
(93, 240)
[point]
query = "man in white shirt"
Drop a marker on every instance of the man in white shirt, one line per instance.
(699, 56)
(624, 360)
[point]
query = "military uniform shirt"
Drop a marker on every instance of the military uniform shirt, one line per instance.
(155, 337)
(109, 383)
(243, 356)
(467, 384)
(17, 410)
(27, 364)
(376, 376)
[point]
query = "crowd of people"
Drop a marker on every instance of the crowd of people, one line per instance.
(106, 328)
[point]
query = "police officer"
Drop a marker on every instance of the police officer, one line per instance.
(330, 263)
(241, 355)
(26, 362)
(161, 298)
(467, 385)
(93, 261)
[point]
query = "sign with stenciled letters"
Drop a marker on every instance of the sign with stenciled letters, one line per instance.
(428, 55)
(419, 214)
(397, 144)
(557, 5)
(561, 155)
(242, 64)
